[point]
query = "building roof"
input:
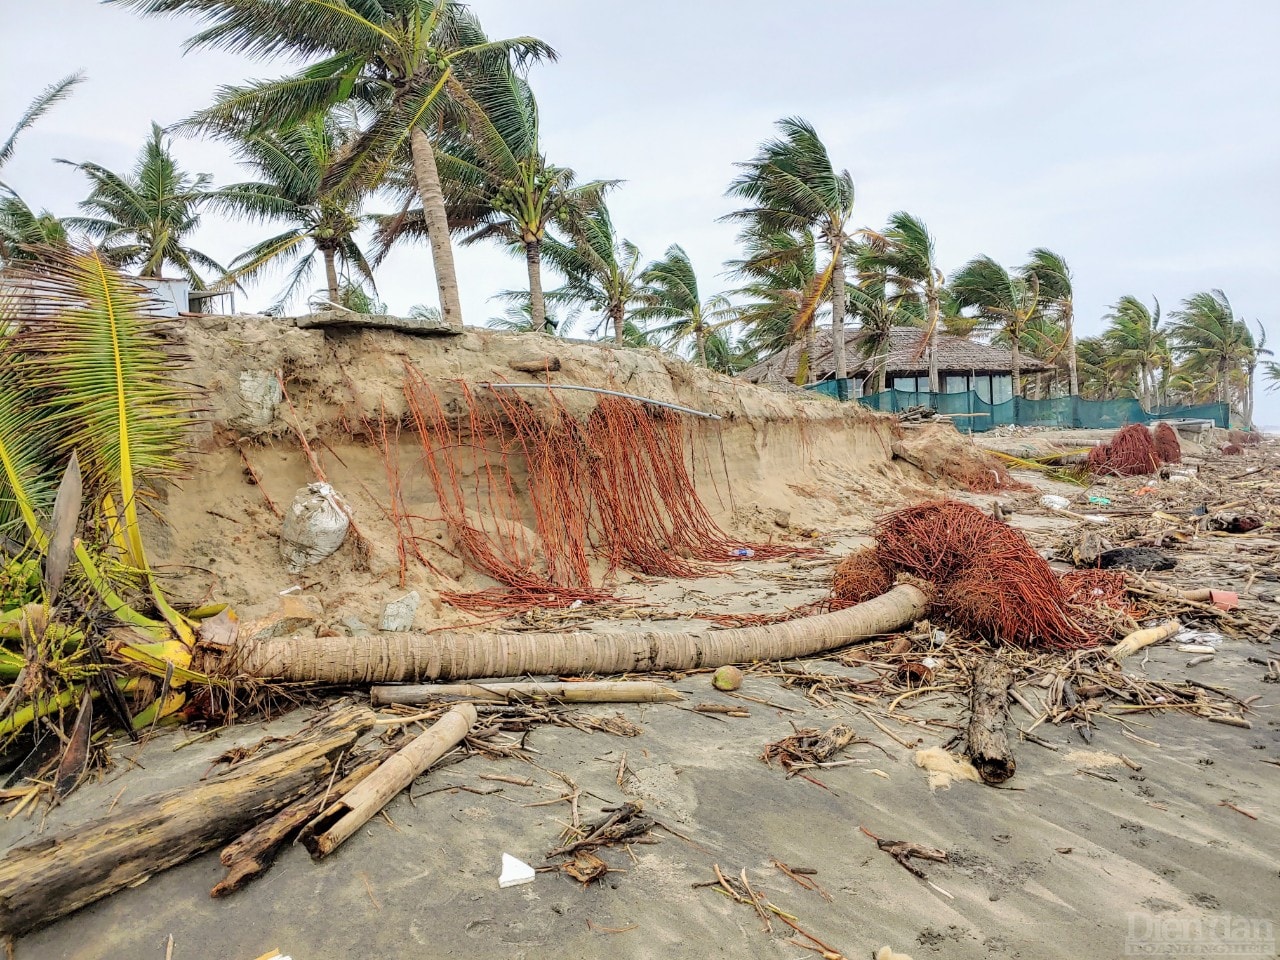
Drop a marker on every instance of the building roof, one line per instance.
(906, 357)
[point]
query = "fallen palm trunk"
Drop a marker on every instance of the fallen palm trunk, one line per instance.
(586, 691)
(1144, 638)
(343, 818)
(251, 854)
(451, 655)
(55, 875)
(988, 744)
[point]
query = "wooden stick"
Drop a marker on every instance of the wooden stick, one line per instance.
(1144, 638)
(343, 818)
(57, 874)
(586, 691)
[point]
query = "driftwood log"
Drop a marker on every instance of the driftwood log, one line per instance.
(455, 655)
(988, 712)
(252, 853)
(536, 365)
(50, 878)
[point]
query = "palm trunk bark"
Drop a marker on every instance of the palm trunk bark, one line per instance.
(616, 311)
(537, 302)
(931, 298)
(430, 192)
(700, 338)
(1017, 368)
(837, 318)
(331, 274)
(1073, 376)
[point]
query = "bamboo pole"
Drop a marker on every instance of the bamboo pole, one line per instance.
(344, 817)
(584, 691)
(57, 874)
(455, 655)
(1144, 638)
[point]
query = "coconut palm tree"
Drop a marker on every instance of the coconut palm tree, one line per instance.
(670, 295)
(793, 187)
(145, 218)
(780, 299)
(878, 310)
(724, 355)
(905, 252)
(1002, 302)
(1211, 340)
(517, 316)
(25, 234)
(1053, 278)
(292, 165)
(406, 64)
(1137, 349)
(601, 270)
(1096, 380)
(497, 183)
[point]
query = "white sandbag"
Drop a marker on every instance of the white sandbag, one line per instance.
(315, 525)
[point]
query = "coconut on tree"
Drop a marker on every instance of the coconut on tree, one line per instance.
(791, 187)
(407, 66)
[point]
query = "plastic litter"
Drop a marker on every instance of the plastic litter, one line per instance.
(743, 552)
(315, 525)
(1052, 501)
(514, 872)
(1100, 501)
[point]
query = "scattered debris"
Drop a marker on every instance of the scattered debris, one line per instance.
(727, 678)
(515, 872)
(807, 747)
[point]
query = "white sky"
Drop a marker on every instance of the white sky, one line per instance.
(1138, 138)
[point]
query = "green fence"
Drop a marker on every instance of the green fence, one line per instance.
(972, 413)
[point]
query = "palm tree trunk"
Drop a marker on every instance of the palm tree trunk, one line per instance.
(1248, 397)
(882, 358)
(837, 318)
(537, 303)
(931, 298)
(618, 320)
(700, 338)
(1017, 369)
(429, 191)
(1073, 378)
(331, 274)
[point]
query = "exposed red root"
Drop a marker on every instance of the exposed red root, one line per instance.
(619, 483)
(1232, 449)
(1131, 453)
(859, 577)
(1107, 588)
(1168, 448)
(988, 577)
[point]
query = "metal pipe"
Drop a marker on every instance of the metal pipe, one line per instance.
(612, 393)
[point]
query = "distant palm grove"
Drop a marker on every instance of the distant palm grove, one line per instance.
(405, 122)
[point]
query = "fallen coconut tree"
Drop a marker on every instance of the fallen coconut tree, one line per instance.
(455, 655)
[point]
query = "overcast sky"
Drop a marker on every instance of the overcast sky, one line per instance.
(1138, 139)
